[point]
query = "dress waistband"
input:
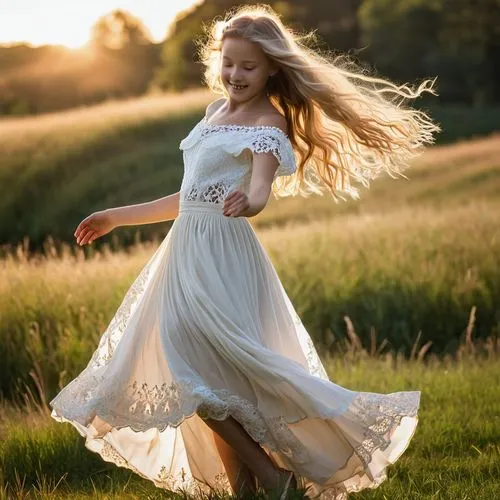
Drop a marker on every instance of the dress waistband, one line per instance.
(200, 206)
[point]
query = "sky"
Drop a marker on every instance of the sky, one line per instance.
(69, 22)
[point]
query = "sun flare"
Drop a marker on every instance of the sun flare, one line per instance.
(60, 22)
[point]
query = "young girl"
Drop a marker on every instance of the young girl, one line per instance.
(206, 377)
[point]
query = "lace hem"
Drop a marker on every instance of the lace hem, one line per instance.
(143, 407)
(165, 479)
(194, 486)
(381, 419)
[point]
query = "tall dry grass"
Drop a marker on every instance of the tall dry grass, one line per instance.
(417, 272)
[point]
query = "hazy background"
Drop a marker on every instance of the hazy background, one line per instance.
(128, 48)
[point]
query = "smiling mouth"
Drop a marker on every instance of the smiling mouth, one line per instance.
(238, 87)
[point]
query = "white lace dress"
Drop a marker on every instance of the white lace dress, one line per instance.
(207, 330)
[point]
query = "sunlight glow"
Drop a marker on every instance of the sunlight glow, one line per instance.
(69, 23)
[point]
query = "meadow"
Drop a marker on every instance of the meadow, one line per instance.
(416, 272)
(454, 454)
(58, 167)
(400, 290)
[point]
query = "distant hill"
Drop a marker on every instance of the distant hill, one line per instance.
(60, 166)
(57, 168)
(49, 78)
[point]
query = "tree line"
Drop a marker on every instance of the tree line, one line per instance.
(405, 40)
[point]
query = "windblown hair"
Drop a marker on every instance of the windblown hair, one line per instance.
(346, 126)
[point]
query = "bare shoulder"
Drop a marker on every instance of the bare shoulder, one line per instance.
(274, 120)
(214, 106)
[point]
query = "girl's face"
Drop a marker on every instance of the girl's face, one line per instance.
(244, 64)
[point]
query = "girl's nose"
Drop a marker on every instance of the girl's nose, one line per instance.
(235, 75)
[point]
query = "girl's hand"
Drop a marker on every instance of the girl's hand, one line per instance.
(94, 226)
(235, 204)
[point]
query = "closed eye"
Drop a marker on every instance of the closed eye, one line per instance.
(247, 69)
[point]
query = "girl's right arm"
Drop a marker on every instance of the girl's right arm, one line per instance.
(101, 223)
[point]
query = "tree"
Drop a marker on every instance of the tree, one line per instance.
(456, 40)
(119, 29)
(334, 20)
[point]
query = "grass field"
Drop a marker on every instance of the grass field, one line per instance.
(410, 272)
(399, 273)
(454, 454)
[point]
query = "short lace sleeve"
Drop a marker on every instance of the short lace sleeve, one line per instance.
(267, 139)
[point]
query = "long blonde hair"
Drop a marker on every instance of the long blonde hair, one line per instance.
(346, 126)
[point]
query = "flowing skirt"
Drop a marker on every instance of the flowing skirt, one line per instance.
(208, 331)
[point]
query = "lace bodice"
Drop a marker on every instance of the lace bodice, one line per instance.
(218, 158)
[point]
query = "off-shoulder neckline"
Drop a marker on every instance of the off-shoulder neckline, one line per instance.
(207, 124)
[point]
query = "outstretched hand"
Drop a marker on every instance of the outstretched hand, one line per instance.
(92, 227)
(235, 204)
